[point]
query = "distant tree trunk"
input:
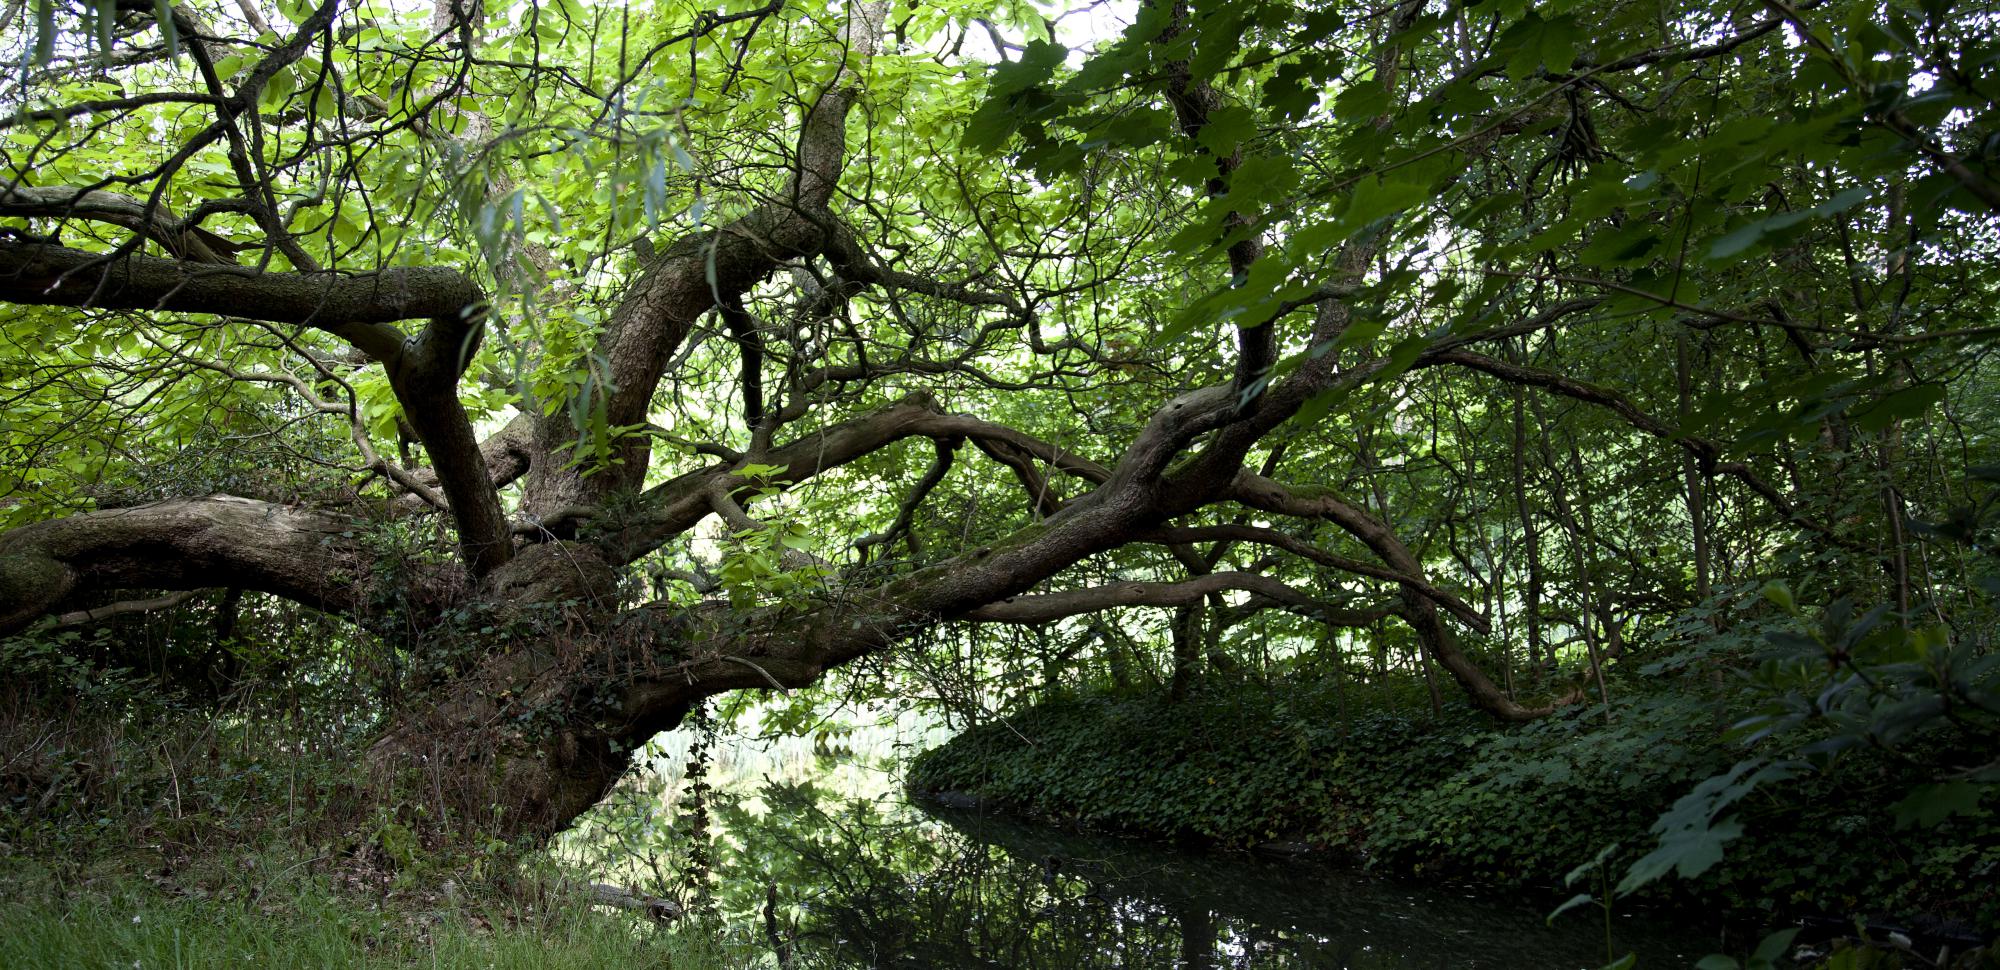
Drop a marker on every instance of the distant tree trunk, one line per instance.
(1530, 536)
(1580, 558)
(1697, 500)
(1187, 651)
(1329, 644)
(1119, 662)
(1503, 617)
(1423, 663)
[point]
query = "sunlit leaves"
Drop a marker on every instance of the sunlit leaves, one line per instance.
(1036, 65)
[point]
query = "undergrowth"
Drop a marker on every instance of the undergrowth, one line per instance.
(139, 832)
(1452, 796)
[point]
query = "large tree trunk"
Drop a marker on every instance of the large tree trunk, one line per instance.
(511, 746)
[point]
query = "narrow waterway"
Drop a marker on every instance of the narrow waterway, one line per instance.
(891, 884)
(834, 867)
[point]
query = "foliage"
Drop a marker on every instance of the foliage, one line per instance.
(1449, 797)
(1912, 694)
(139, 828)
(1294, 360)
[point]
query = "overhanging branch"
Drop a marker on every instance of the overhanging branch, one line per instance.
(181, 544)
(1299, 547)
(1044, 607)
(355, 307)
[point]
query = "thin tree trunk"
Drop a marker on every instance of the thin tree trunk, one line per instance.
(1187, 651)
(1581, 529)
(1697, 500)
(1531, 539)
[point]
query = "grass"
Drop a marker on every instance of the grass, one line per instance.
(150, 840)
(248, 912)
(135, 837)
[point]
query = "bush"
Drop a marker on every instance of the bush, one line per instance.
(1452, 796)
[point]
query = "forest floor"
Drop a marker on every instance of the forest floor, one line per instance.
(199, 845)
(136, 835)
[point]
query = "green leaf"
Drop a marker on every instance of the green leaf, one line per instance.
(1371, 201)
(1928, 805)
(1558, 43)
(1524, 39)
(1691, 834)
(1037, 64)
(990, 126)
(1772, 947)
(1752, 233)
(1319, 405)
(1568, 904)
(1360, 102)
(1907, 403)
(1613, 247)
(1226, 129)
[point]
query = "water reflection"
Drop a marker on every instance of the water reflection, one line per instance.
(846, 882)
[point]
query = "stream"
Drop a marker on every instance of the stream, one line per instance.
(893, 884)
(842, 870)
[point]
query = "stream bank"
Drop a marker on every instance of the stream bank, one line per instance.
(1450, 798)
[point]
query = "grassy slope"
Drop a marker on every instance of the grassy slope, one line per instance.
(302, 922)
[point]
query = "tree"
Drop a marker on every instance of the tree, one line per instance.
(1212, 293)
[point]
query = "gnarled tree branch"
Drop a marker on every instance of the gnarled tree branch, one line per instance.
(181, 544)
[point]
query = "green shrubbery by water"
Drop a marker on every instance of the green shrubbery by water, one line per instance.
(1450, 795)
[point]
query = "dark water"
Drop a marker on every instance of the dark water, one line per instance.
(861, 883)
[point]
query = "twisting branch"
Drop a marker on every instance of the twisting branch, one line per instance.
(1045, 607)
(125, 608)
(1259, 492)
(1707, 453)
(900, 528)
(181, 544)
(1305, 550)
(1042, 499)
(750, 350)
(358, 308)
(1193, 101)
(183, 241)
(356, 428)
(703, 270)
(725, 505)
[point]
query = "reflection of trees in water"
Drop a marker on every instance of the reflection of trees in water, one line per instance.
(871, 887)
(859, 884)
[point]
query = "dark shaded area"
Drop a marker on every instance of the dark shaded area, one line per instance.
(892, 885)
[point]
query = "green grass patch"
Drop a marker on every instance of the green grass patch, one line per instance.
(305, 921)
